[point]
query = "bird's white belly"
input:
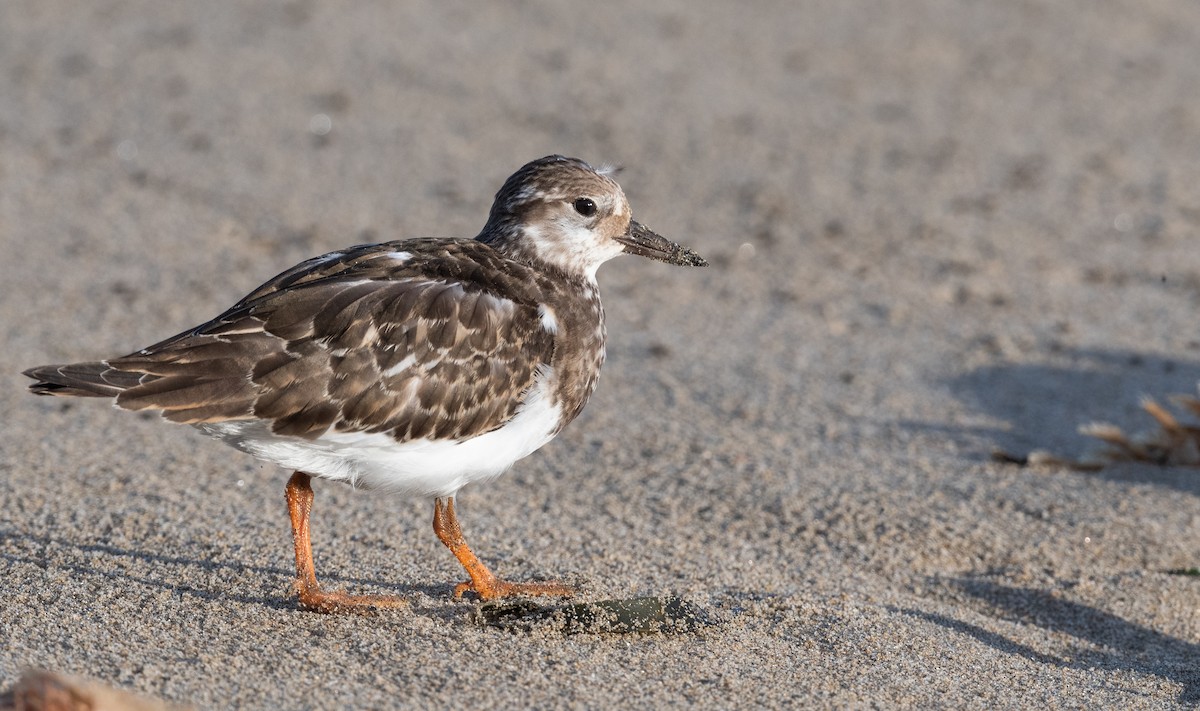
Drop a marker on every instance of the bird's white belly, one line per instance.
(421, 467)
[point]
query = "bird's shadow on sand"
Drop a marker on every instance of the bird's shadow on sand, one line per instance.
(1126, 645)
(1042, 406)
(636, 615)
(86, 559)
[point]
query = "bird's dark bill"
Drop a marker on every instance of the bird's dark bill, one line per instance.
(643, 242)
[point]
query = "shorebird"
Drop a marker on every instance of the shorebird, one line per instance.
(415, 366)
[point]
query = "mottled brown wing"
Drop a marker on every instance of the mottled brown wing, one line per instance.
(417, 355)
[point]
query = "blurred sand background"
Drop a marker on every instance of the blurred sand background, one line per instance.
(936, 227)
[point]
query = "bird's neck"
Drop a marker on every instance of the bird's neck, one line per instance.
(546, 253)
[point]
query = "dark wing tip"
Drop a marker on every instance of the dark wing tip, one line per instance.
(41, 374)
(38, 372)
(76, 379)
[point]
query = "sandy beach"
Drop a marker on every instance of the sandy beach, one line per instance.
(936, 228)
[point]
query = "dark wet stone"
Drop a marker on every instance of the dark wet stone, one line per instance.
(640, 615)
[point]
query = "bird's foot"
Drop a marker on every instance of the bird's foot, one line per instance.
(494, 588)
(483, 583)
(315, 599)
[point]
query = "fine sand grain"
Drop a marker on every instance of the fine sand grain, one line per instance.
(936, 227)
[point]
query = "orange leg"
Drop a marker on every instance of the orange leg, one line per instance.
(300, 501)
(483, 583)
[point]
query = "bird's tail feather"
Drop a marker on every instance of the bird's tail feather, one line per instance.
(81, 380)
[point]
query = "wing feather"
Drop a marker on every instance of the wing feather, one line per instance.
(356, 342)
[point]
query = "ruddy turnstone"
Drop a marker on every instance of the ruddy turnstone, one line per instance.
(416, 366)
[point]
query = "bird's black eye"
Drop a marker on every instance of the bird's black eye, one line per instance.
(585, 206)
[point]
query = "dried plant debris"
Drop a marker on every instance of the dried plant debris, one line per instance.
(639, 615)
(1173, 443)
(46, 691)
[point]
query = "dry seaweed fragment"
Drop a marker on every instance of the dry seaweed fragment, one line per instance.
(1172, 443)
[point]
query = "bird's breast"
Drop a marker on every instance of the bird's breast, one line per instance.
(578, 349)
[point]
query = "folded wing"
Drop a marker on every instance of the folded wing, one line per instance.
(360, 341)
